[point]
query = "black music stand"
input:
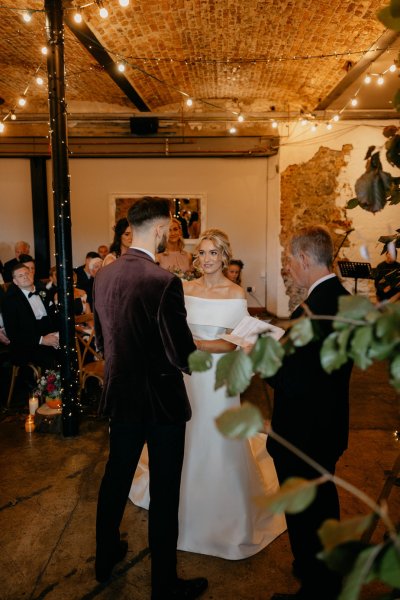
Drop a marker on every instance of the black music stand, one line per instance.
(357, 270)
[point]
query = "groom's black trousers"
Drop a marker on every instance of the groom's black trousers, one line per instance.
(166, 447)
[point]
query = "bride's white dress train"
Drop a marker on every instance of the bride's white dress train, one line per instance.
(223, 481)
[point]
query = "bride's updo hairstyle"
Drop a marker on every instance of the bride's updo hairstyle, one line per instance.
(220, 241)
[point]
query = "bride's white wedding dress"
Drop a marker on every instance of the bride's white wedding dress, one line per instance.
(223, 481)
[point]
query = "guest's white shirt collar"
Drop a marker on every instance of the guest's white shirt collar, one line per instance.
(145, 251)
(325, 278)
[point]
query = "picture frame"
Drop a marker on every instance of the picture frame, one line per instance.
(185, 205)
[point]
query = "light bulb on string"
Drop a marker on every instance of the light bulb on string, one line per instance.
(22, 101)
(335, 118)
(124, 3)
(121, 67)
(240, 118)
(189, 102)
(354, 102)
(232, 130)
(78, 17)
(44, 50)
(27, 16)
(392, 68)
(367, 79)
(13, 116)
(103, 12)
(39, 80)
(314, 127)
(329, 126)
(381, 80)
(274, 124)
(2, 127)
(304, 122)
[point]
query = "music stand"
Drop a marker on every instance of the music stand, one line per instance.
(357, 270)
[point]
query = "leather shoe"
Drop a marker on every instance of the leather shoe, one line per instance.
(183, 589)
(104, 567)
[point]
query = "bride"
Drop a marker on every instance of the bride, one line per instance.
(223, 481)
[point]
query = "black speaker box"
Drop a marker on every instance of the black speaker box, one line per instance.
(144, 125)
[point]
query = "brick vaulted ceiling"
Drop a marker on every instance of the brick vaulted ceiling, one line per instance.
(258, 57)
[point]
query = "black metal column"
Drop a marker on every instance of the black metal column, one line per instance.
(40, 216)
(62, 214)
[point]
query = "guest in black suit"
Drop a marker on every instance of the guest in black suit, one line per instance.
(31, 322)
(20, 248)
(84, 279)
(311, 410)
(146, 343)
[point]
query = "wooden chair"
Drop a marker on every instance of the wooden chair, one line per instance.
(85, 348)
(14, 374)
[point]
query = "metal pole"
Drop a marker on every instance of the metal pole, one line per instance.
(62, 215)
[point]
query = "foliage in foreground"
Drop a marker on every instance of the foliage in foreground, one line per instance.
(362, 332)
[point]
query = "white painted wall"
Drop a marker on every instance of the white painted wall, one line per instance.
(236, 192)
(301, 144)
(16, 222)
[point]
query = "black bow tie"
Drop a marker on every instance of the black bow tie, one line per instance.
(35, 293)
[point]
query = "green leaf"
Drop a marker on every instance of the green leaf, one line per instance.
(267, 356)
(342, 558)
(360, 574)
(200, 361)
(333, 532)
(240, 422)
(294, 496)
(352, 203)
(359, 346)
(333, 354)
(389, 566)
(302, 332)
(354, 307)
(390, 22)
(380, 350)
(387, 327)
(395, 371)
(234, 370)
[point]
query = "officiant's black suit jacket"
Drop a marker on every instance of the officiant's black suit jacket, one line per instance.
(22, 327)
(140, 323)
(311, 407)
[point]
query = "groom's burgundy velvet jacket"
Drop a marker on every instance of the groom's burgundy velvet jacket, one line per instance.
(140, 323)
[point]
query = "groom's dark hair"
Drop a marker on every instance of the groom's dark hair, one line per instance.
(147, 209)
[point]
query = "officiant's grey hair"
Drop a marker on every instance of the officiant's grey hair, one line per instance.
(315, 241)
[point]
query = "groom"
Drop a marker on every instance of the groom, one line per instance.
(140, 322)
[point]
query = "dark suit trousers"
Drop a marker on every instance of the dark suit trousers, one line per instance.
(317, 580)
(166, 447)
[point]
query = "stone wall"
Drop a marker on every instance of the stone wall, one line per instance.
(309, 193)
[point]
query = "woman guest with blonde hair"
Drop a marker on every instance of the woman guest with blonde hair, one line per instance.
(221, 479)
(175, 258)
(122, 241)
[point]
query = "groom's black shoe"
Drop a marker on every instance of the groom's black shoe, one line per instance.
(183, 589)
(104, 566)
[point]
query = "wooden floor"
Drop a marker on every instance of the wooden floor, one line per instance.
(48, 494)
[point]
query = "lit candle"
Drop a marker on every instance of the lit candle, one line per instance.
(33, 404)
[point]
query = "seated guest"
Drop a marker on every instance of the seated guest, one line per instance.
(122, 241)
(20, 248)
(102, 251)
(234, 271)
(387, 276)
(175, 258)
(84, 279)
(95, 265)
(31, 322)
(29, 262)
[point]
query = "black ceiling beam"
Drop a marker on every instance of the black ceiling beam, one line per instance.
(383, 43)
(86, 36)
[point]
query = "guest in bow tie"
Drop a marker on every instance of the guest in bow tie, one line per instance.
(31, 321)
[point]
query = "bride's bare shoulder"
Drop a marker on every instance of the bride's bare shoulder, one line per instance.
(236, 292)
(191, 287)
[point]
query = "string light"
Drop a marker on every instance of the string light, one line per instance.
(274, 124)
(103, 12)
(78, 17)
(367, 79)
(39, 80)
(329, 126)
(232, 130)
(124, 3)
(314, 127)
(121, 67)
(381, 80)
(335, 118)
(354, 102)
(13, 116)
(44, 50)
(2, 127)
(27, 16)
(240, 118)
(22, 101)
(392, 68)
(304, 122)
(189, 102)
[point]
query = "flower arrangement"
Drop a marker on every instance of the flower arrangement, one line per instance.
(49, 385)
(188, 275)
